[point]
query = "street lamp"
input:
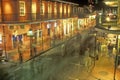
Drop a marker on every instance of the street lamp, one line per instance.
(108, 18)
(30, 34)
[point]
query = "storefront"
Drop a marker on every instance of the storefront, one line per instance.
(110, 36)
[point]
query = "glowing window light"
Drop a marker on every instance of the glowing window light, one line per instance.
(0, 39)
(33, 7)
(118, 36)
(55, 25)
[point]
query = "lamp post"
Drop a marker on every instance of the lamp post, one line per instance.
(4, 40)
(30, 34)
(95, 48)
(116, 58)
(20, 52)
(55, 25)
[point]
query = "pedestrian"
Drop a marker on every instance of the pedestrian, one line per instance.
(87, 59)
(110, 49)
(20, 53)
(98, 46)
(34, 49)
(87, 52)
(114, 51)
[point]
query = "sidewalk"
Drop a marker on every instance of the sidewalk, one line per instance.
(104, 69)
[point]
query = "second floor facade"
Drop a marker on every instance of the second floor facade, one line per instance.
(22, 11)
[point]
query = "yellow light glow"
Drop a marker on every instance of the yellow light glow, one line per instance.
(90, 17)
(108, 19)
(43, 6)
(108, 3)
(68, 9)
(111, 3)
(61, 8)
(33, 7)
(118, 36)
(8, 8)
(65, 9)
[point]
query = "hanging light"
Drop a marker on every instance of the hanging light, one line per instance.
(30, 33)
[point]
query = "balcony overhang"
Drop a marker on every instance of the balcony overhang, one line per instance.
(104, 30)
(111, 3)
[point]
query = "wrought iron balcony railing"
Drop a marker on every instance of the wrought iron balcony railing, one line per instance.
(31, 17)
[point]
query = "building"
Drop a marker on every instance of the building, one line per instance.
(46, 20)
(108, 23)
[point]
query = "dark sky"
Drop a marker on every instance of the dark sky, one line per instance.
(97, 6)
(80, 2)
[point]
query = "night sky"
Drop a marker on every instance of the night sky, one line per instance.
(98, 4)
(80, 2)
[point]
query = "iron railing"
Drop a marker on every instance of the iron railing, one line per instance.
(16, 18)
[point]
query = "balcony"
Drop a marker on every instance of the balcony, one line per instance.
(112, 3)
(15, 18)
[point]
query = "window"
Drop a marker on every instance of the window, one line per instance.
(64, 9)
(34, 11)
(22, 8)
(49, 8)
(55, 8)
(42, 9)
(22, 26)
(11, 27)
(74, 9)
(68, 10)
(61, 8)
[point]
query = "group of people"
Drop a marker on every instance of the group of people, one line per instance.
(111, 49)
(106, 49)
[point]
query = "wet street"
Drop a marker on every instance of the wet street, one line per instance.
(64, 62)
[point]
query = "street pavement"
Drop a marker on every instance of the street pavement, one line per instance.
(57, 65)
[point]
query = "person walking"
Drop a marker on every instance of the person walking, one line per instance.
(110, 49)
(87, 59)
(20, 53)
